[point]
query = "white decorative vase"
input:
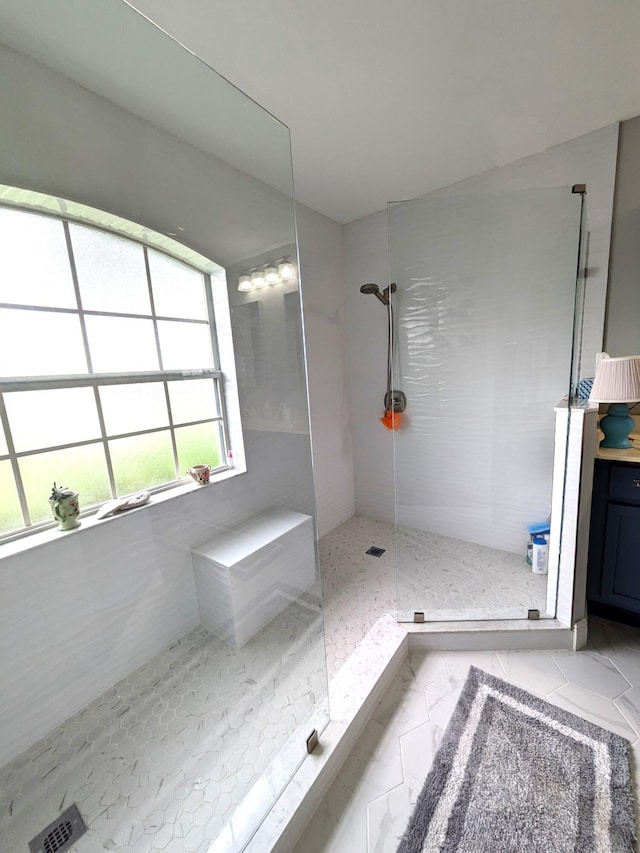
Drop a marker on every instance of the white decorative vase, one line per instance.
(66, 510)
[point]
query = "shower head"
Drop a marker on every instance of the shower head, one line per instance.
(373, 288)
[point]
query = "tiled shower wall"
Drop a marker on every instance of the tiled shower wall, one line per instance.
(590, 159)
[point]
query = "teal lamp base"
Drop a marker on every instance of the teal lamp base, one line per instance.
(616, 426)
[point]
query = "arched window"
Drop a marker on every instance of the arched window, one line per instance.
(109, 373)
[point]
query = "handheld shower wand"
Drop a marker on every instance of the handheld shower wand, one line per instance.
(383, 296)
(395, 402)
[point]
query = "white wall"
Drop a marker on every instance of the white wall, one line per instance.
(365, 254)
(622, 335)
(589, 159)
(62, 139)
(324, 306)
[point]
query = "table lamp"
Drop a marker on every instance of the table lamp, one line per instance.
(617, 382)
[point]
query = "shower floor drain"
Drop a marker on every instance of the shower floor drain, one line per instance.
(61, 834)
(375, 552)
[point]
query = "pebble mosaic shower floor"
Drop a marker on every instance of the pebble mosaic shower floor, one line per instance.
(144, 763)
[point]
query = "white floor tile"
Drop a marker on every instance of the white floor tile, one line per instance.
(426, 666)
(387, 818)
(374, 764)
(629, 706)
(458, 663)
(532, 670)
(404, 708)
(418, 748)
(442, 696)
(336, 826)
(593, 672)
(595, 708)
(628, 662)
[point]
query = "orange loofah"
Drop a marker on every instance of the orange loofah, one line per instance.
(392, 420)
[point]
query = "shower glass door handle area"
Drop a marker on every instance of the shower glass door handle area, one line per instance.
(484, 307)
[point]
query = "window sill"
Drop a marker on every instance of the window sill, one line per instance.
(29, 541)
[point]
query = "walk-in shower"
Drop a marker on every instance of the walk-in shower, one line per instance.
(484, 337)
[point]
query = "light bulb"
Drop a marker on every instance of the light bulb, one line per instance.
(244, 282)
(257, 279)
(271, 275)
(286, 271)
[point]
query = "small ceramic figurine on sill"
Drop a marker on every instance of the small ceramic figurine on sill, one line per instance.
(200, 474)
(65, 507)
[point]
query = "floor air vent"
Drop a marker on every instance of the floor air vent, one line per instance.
(375, 552)
(60, 834)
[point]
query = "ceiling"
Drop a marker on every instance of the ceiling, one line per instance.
(389, 100)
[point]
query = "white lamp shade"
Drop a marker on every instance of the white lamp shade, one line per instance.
(271, 275)
(257, 279)
(617, 380)
(286, 270)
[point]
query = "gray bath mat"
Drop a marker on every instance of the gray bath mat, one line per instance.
(515, 773)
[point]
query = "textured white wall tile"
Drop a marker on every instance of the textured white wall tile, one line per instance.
(82, 612)
(324, 306)
(589, 159)
(366, 261)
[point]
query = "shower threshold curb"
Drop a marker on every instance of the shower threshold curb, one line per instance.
(355, 691)
(493, 635)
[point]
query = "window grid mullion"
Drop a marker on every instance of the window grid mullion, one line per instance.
(174, 443)
(218, 380)
(76, 287)
(15, 467)
(92, 312)
(152, 302)
(208, 292)
(99, 439)
(222, 408)
(87, 380)
(105, 443)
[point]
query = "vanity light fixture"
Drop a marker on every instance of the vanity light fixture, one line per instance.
(271, 273)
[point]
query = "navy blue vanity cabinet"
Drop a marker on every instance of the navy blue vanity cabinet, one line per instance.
(613, 576)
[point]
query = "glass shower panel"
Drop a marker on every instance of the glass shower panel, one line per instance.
(484, 308)
(164, 667)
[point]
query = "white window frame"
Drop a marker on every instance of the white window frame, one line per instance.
(187, 258)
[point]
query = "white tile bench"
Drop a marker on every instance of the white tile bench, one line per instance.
(248, 575)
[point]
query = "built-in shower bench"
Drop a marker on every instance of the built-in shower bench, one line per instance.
(247, 575)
